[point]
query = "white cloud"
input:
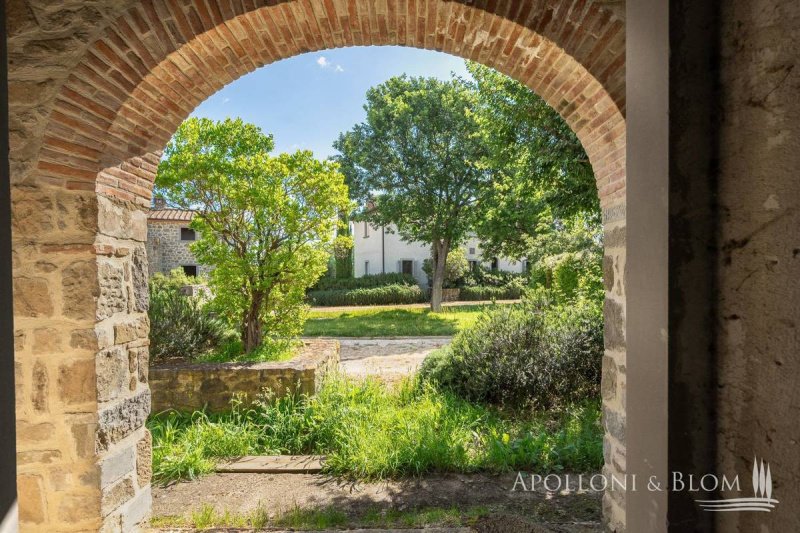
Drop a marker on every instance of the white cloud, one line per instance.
(226, 100)
(323, 62)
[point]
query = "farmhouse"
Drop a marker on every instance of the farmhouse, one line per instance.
(380, 249)
(168, 240)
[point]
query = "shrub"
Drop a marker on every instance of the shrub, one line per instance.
(386, 295)
(511, 292)
(179, 325)
(483, 277)
(455, 268)
(364, 282)
(537, 354)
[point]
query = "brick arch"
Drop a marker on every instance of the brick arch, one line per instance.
(125, 95)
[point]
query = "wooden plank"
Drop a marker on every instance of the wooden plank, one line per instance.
(273, 464)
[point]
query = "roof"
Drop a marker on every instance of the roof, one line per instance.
(178, 215)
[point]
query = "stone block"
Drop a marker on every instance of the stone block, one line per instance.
(138, 510)
(30, 433)
(113, 296)
(614, 325)
(117, 465)
(614, 422)
(608, 382)
(116, 495)
(77, 507)
(32, 297)
(85, 339)
(31, 497)
(46, 340)
(39, 387)
(79, 289)
(38, 457)
(608, 272)
(144, 460)
(77, 382)
(129, 331)
(121, 419)
(83, 437)
(112, 373)
(139, 276)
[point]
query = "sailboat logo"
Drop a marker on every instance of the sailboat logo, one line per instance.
(762, 488)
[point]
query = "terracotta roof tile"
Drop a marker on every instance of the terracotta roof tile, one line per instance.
(182, 215)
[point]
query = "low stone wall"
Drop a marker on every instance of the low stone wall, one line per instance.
(192, 386)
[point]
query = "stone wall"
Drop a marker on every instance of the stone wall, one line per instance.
(165, 249)
(193, 386)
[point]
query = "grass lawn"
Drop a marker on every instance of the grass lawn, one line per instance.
(392, 322)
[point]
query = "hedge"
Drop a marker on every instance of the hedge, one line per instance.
(386, 295)
(364, 282)
(490, 293)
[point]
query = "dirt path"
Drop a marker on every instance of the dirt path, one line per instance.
(503, 509)
(389, 359)
(341, 309)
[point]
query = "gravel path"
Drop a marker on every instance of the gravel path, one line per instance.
(389, 359)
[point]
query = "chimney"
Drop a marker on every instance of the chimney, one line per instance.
(159, 202)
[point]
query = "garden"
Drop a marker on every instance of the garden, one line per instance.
(514, 384)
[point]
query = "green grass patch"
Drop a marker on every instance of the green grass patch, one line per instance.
(392, 322)
(269, 351)
(369, 430)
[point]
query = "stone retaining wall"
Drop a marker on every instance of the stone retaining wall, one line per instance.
(192, 386)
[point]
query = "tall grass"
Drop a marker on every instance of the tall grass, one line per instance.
(369, 430)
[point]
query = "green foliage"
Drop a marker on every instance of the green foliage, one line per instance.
(181, 326)
(382, 295)
(474, 294)
(420, 154)
(538, 354)
(364, 282)
(369, 430)
(455, 268)
(266, 223)
(542, 169)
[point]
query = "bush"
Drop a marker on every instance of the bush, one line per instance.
(512, 292)
(179, 325)
(364, 282)
(455, 268)
(537, 355)
(386, 295)
(483, 277)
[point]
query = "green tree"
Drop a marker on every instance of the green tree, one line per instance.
(420, 156)
(544, 178)
(266, 223)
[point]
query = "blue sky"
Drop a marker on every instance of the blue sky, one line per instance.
(307, 100)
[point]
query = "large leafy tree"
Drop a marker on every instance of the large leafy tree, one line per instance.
(266, 223)
(544, 182)
(419, 155)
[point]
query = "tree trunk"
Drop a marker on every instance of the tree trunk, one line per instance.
(440, 251)
(251, 328)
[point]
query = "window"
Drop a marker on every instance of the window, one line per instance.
(188, 234)
(473, 266)
(472, 251)
(190, 270)
(525, 267)
(494, 264)
(407, 267)
(366, 268)
(366, 229)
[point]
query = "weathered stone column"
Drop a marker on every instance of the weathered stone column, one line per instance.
(613, 380)
(80, 302)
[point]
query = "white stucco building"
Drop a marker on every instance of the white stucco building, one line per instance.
(379, 249)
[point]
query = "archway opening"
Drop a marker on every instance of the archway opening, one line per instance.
(144, 75)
